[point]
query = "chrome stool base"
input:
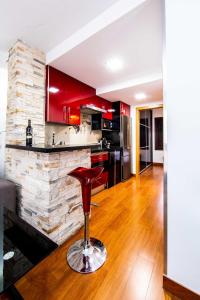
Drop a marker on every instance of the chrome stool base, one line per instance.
(89, 259)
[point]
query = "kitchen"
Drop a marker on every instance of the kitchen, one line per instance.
(86, 118)
(56, 123)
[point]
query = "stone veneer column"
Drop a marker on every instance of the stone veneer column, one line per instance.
(26, 94)
(46, 192)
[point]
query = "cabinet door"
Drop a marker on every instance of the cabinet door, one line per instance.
(124, 109)
(102, 179)
(64, 95)
(71, 115)
(108, 114)
(107, 105)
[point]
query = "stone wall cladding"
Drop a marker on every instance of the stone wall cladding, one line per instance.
(26, 94)
(45, 191)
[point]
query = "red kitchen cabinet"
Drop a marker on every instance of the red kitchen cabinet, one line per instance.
(108, 115)
(102, 179)
(101, 103)
(104, 104)
(124, 109)
(99, 157)
(71, 115)
(64, 95)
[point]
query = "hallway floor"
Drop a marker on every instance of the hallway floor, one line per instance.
(130, 223)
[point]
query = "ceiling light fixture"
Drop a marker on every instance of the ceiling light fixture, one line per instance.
(140, 96)
(53, 90)
(114, 64)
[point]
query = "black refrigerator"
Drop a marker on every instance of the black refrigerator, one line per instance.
(119, 139)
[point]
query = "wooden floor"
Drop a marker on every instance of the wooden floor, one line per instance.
(130, 223)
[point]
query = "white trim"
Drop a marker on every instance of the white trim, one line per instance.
(128, 84)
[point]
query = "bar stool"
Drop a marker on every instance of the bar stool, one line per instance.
(88, 254)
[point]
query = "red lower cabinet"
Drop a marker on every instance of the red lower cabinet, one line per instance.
(100, 159)
(103, 179)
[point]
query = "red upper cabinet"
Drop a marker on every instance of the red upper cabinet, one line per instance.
(71, 114)
(124, 109)
(108, 115)
(104, 104)
(101, 103)
(64, 95)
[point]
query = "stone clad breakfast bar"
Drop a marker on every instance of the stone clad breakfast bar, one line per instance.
(45, 191)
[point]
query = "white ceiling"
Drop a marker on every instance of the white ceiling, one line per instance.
(79, 36)
(153, 91)
(136, 38)
(45, 23)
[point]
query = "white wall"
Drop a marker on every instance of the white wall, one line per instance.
(3, 103)
(133, 132)
(182, 105)
(158, 155)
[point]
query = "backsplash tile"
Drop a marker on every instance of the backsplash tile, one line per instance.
(69, 134)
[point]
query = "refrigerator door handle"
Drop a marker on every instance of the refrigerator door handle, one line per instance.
(121, 132)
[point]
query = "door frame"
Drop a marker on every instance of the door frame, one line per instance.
(137, 130)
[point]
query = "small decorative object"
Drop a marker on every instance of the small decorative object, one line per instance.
(53, 139)
(29, 134)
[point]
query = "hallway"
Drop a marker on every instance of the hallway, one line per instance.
(130, 223)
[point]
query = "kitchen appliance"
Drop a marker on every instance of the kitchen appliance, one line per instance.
(120, 138)
(106, 124)
(98, 123)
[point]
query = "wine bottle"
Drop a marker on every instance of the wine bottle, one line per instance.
(29, 134)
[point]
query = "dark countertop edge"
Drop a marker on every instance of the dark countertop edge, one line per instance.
(53, 149)
(117, 148)
(93, 148)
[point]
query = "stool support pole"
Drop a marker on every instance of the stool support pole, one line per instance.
(86, 230)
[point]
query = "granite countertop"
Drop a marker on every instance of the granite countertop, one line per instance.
(50, 149)
(59, 148)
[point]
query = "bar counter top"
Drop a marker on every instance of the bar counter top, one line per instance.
(57, 148)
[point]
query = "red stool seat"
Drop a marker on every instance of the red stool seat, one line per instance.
(86, 177)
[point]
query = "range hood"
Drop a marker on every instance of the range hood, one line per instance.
(90, 109)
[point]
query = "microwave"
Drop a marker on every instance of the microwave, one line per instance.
(98, 123)
(106, 124)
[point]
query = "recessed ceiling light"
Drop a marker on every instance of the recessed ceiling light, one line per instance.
(53, 90)
(114, 64)
(140, 96)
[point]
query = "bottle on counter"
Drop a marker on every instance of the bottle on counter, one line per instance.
(29, 134)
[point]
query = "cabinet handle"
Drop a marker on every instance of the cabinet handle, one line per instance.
(68, 115)
(64, 113)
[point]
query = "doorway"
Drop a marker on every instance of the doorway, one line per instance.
(149, 137)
